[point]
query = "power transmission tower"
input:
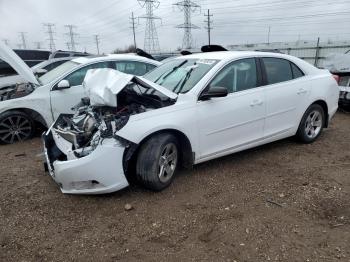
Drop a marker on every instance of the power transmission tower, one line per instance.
(23, 39)
(97, 41)
(151, 43)
(37, 45)
(187, 6)
(208, 23)
(6, 41)
(71, 35)
(132, 18)
(50, 32)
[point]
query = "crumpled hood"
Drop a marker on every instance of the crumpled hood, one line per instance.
(17, 63)
(102, 86)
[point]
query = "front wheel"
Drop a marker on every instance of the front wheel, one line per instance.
(15, 126)
(311, 124)
(157, 161)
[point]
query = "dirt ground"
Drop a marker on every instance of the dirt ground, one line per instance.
(280, 202)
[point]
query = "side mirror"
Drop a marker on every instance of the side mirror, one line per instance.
(63, 84)
(213, 91)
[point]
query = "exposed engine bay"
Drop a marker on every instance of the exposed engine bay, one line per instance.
(16, 91)
(91, 124)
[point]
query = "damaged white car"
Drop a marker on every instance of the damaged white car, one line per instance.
(187, 111)
(40, 100)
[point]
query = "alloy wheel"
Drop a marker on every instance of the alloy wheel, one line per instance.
(167, 162)
(15, 128)
(313, 124)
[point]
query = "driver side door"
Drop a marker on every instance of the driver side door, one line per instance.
(62, 101)
(230, 123)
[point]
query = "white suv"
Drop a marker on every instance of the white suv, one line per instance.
(42, 100)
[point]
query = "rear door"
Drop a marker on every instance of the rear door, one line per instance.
(286, 95)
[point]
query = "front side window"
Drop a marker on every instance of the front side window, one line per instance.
(238, 76)
(76, 78)
(181, 75)
(57, 72)
(277, 70)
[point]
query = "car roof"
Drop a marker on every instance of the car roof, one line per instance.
(127, 57)
(229, 55)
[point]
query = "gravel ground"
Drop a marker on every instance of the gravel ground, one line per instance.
(280, 202)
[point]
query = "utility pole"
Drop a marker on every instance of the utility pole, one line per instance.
(71, 36)
(50, 32)
(23, 39)
(151, 43)
(317, 52)
(38, 45)
(208, 22)
(97, 41)
(268, 35)
(187, 6)
(132, 18)
(68, 45)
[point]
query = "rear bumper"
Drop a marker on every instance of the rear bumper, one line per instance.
(99, 172)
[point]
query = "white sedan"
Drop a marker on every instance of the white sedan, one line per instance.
(42, 100)
(189, 110)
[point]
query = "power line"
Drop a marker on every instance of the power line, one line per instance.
(132, 18)
(151, 43)
(71, 36)
(97, 41)
(50, 32)
(208, 23)
(187, 6)
(23, 39)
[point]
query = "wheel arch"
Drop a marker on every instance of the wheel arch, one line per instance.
(37, 117)
(324, 106)
(187, 155)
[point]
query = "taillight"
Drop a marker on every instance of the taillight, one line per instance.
(337, 78)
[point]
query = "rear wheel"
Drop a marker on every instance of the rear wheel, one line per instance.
(15, 126)
(157, 161)
(311, 124)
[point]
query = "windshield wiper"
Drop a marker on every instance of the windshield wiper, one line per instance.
(169, 73)
(185, 79)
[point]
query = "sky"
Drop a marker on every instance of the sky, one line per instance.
(233, 22)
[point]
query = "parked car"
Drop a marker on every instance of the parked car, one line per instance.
(34, 57)
(41, 100)
(339, 65)
(189, 110)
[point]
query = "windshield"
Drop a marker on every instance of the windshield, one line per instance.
(181, 75)
(57, 72)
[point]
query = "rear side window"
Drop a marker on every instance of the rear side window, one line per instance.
(133, 67)
(277, 70)
(296, 71)
(59, 55)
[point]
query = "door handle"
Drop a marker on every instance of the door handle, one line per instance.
(301, 91)
(256, 102)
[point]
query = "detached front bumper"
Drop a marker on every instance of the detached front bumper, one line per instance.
(99, 172)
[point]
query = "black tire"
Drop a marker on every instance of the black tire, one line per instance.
(307, 132)
(15, 126)
(149, 159)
